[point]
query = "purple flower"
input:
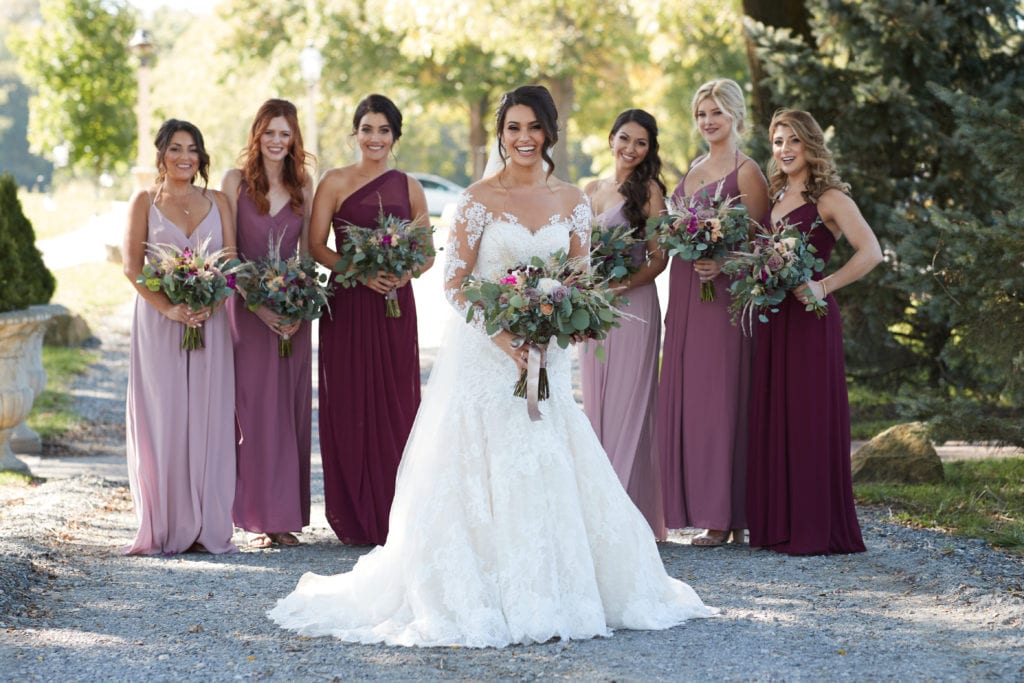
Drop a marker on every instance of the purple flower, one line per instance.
(231, 280)
(559, 293)
(385, 241)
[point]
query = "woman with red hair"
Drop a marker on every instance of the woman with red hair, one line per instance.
(271, 195)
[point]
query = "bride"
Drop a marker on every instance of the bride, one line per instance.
(502, 530)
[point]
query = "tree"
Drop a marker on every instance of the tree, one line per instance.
(778, 14)
(872, 78)
(77, 62)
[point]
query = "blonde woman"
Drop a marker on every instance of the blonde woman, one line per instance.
(703, 389)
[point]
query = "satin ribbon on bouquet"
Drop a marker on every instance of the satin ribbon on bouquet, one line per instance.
(537, 361)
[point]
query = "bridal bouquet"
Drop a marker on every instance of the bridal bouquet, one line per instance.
(780, 259)
(543, 299)
(196, 278)
(395, 246)
(292, 288)
(694, 230)
(616, 252)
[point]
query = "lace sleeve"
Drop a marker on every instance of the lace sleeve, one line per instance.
(579, 228)
(468, 225)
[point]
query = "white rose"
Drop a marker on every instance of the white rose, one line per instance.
(790, 243)
(547, 285)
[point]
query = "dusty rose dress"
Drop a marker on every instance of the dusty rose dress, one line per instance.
(369, 382)
(619, 394)
(180, 419)
(702, 400)
(799, 490)
(273, 395)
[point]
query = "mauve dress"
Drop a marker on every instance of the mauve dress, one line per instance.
(369, 382)
(273, 395)
(702, 398)
(799, 489)
(179, 419)
(619, 394)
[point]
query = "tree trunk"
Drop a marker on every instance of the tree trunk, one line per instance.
(563, 90)
(791, 14)
(478, 142)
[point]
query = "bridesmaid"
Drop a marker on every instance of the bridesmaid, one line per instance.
(619, 393)
(271, 196)
(369, 386)
(703, 390)
(799, 493)
(180, 404)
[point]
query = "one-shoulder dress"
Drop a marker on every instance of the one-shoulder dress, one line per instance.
(799, 489)
(702, 397)
(619, 393)
(179, 418)
(369, 386)
(273, 395)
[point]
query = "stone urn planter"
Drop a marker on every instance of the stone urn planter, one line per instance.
(21, 372)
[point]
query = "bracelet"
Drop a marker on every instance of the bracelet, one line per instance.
(824, 287)
(517, 342)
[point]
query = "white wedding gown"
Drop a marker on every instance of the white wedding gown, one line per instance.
(502, 530)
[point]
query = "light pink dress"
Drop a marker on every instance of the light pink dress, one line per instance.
(619, 394)
(180, 423)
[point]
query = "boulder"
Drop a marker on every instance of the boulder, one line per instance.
(67, 329)
(902, 454)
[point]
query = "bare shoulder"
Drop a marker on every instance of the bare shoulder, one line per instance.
(834, 201)
(750, 171)
(592, 187)
(233, 178)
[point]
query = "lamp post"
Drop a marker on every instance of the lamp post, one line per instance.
(141, 45)
(311, 65)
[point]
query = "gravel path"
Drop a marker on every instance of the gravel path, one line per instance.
(918, 605)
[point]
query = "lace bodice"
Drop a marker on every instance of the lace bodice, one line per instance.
(486, 245)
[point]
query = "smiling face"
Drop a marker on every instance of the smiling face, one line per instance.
(714, 124)
(523, 136)
(276, 141)
(630, 144)
(788, 150)
(374, 136)
(181, 159)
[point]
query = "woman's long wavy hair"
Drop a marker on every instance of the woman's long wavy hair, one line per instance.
(821, 169)
(295, 173)
(636, 188)
(163, 140)
(538, 98)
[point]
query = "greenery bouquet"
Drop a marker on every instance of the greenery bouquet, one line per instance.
(194, 277)
(780, 259)
(693, 230)
(395, 246)
(616, 252)
(558, 298)
(292, 288)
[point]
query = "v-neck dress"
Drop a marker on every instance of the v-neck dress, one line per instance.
(273, 395)
(179, 419)
(702, 397)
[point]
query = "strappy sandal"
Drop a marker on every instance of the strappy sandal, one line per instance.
(285, 538)
(711, 539)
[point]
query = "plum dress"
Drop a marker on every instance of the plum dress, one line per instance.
(179, 418)
(619, 394)
(503, 530)
(369, 385)
(273, 395)
(799, 490)
(702, 398)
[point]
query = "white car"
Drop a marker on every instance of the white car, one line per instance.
(440, 192)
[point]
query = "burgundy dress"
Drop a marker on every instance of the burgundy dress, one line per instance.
(273, 395)
(799, 491)
(369, 384)
(619, 394)
(702, 398)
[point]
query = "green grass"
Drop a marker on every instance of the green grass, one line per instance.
(52, 413)
(92, 290)
(12, 478)
(979, 499)
(67, 208)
